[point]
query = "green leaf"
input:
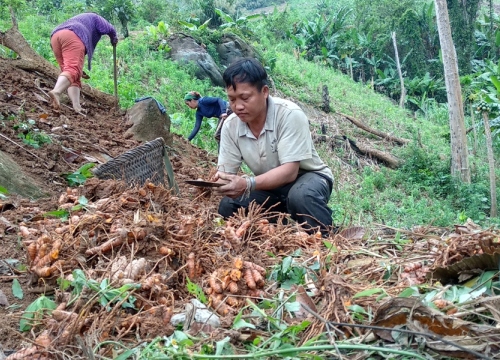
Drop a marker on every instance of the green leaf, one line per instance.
(17, 291)
(220, 345)
(79, 281)
(204, 25)
(34, 312)
(224, 16)
(188, 25)
(63, 283)
(239, 323)
(3, 190)
(330, 246)
(251, 17)
(409, 292)
(75, 179)
(196, 290)
(292, 306)
(285, 265)
(61, 214)
(76, 207)
(82, 200)
(85, 170)
(368, 292)
(357, 309)
(495, 82)
(497, 38)
(180, 336)
(125, 355)
(315, 266)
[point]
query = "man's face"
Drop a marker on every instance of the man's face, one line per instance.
(248, 103)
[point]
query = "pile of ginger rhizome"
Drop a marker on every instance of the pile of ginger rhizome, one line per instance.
(125, 257)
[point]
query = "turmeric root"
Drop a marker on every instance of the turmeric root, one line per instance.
(253, 266)
(238, 263)
(108, 245)
(47, 259)
(243, 228)
(230, 235)
(233, 287)
(248, 276)
(231, 301)
(235, 275)
(213, 281)
(257, 277)
(62, 315)
(191, 266)
(166, 251)
(32, 251)
(219, 306)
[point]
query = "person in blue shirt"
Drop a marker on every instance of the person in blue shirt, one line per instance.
(207, 107)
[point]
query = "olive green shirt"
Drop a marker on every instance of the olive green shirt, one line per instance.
(285, 138)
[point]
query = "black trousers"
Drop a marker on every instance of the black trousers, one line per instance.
(306, 200)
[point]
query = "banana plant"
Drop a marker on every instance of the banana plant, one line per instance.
(193, 24)
(240, 24)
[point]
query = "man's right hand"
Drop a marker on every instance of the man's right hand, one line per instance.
(234, 187)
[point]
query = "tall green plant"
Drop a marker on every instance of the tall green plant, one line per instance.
(241, 24)
(122, 10)
(463, 15)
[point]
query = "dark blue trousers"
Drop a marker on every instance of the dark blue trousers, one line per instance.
(306, 200)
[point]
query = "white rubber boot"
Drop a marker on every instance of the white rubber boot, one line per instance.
(62, 84)
(74, 95)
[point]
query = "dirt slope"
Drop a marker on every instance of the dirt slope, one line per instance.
(76, 139)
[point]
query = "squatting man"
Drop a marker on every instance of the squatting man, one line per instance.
(271, 135)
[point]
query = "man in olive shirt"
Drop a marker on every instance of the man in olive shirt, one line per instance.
(272, 136)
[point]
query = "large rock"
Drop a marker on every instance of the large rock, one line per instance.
(148, 121)
(16, 182)
(232, 48)
(185, 49)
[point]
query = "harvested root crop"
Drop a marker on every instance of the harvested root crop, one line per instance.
(244, 279)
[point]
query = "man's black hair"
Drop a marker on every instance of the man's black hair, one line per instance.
(245, 70)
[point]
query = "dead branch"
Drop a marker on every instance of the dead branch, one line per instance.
(383, 135)
(362, 149)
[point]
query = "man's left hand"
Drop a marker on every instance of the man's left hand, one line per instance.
(235, 185)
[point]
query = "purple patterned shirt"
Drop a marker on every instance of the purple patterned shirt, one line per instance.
(89, 27)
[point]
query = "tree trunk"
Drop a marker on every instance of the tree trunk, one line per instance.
(381, 134)
(29, 60)
(491, 164)
(326, 100)
(474, 131)
(398, 65)
(459, 156)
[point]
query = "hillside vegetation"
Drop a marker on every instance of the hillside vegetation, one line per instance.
(418, 192)
(101, 270)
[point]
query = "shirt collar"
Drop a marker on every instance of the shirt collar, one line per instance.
(268, 126)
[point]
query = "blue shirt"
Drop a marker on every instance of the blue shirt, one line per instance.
(207, 107)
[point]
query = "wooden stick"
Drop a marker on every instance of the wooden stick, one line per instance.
(383, 135)
(115, 75)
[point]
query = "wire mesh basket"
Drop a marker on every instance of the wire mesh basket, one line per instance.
(138, 165)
